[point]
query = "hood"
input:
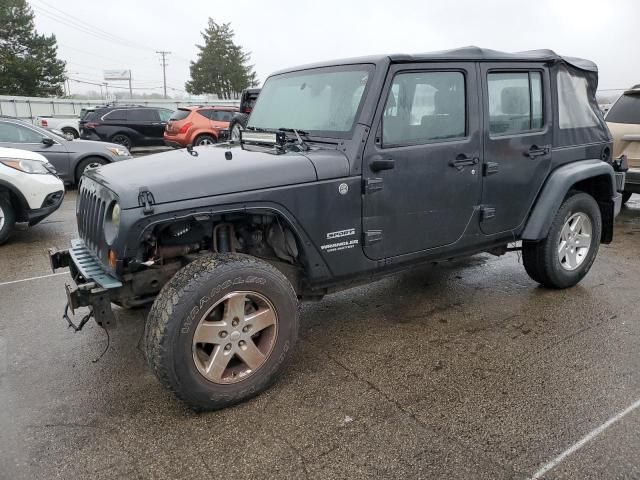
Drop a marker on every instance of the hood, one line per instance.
(178, 175)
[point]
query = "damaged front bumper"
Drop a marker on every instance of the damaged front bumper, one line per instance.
(93, 285)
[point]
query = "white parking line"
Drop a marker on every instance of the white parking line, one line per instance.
(33, 278)
(583, 441)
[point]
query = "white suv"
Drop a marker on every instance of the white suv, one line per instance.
(29, 189)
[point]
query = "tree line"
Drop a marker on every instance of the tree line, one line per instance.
(29, 63)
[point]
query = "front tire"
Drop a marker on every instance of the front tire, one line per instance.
(563, 258)
(221, 330)
(7, 219)
(82, 166)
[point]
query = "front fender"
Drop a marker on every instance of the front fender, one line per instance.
(555, 190)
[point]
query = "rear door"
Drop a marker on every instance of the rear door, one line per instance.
(517, 142)
(421, 168)
(146, 121)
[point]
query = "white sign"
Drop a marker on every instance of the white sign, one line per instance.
(117, 74)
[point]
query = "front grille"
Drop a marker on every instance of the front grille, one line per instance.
(90, 211)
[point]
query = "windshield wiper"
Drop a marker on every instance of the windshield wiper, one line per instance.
(297, 134)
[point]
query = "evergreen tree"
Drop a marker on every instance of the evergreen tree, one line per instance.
(28, 62)
(222, 67)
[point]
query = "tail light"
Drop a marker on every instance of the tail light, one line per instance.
(44, 123)
(90, 125)
(185, 127)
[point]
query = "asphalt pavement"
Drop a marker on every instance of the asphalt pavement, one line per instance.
(466, 369)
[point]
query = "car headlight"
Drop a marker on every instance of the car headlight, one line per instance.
(119, 151)
(26, 166)
(112, 224)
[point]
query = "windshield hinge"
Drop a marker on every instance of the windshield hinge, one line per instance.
(146, 200)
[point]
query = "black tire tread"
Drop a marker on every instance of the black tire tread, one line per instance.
(538, 259)
(184, 283)
(9, 220)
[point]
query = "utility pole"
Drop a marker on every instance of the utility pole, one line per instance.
(164, 54)
(130, 89)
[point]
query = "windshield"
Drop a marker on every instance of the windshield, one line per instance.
(323, 100)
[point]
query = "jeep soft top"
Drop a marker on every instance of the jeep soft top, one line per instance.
(347, 170)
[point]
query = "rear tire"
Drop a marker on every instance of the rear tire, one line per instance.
(238, 123)
(82, 166)
(565, 256)
(71, 131)
(203, 140)
(626, 196)
(122, 139)
(221, 330)
(7, 219)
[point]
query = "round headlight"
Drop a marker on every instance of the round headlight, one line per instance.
(115, 216)
(112, 223)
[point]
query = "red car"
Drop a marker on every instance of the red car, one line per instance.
(198, 126)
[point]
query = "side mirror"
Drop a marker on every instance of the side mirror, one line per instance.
(48, 141)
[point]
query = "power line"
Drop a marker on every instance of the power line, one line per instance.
(164, 54)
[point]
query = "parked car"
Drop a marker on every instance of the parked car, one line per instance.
(30, 191)
(239, 121)
(198, 126)
(69, 157)
(347, 171)
(129, 126)
(623, 120)
(68, 125)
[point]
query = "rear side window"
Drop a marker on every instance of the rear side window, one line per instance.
(115, 115)
(180, 114)
(574, 108)
(625, 110)
(143, 115)
(515, 102)
(222, 116)
(423, 107)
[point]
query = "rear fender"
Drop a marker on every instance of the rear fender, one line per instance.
(591, 176)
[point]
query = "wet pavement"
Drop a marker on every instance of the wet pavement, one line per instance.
(463, 370)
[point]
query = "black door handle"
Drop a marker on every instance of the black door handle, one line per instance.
(536, 151)
(382, 164)
(463, 160)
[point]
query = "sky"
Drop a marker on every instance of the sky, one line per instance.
(281, 34)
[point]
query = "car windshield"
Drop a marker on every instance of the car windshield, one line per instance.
(626, 110)
(324, 101)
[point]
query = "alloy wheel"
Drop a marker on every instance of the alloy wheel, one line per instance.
(235, 337)
(2, 214)
(204, 141)
(575, 241)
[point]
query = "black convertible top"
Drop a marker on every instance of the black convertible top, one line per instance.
(460, 54)
(477, 53)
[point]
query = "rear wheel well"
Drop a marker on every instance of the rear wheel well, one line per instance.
(600, 188)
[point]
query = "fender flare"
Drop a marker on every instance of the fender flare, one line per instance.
(315, 263)
(555, 190)
(22, 214)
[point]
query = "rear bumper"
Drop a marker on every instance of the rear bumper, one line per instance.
(632, 182)
(173, 143)
(93, 285)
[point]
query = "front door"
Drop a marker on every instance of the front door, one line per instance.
(421, 168)
(22, 137)
(517, 143)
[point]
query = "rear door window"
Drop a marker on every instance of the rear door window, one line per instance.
(143, 115)
(625, 110)
(115, 115)
(515, 102)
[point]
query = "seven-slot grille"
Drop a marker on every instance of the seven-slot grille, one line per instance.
(91, 211)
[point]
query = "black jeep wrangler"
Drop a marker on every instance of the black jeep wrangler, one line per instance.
(348, 170)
